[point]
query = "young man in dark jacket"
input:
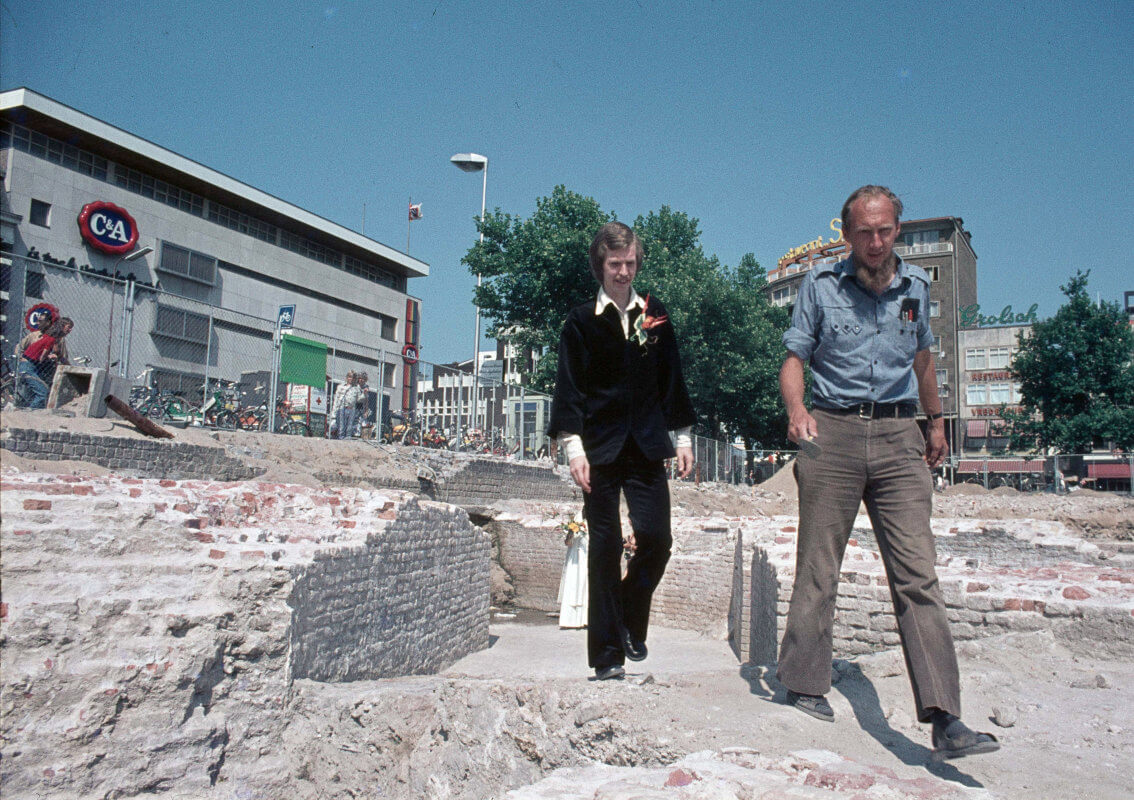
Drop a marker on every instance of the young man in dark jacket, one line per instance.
(618, 394)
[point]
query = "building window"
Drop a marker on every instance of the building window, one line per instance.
(976, 358)
(40, 214)
(159, 190)
(33, 284)
(912, 238)
(976, 394)
(388, 372)
(998, 357)
(53, 150)
(934, 308)
(934, 273)
(937, 345)
(942, 377)
(188, 264)
(389, 328)
(237, 221)
(177, 323)
(999, 393)
(179, 383)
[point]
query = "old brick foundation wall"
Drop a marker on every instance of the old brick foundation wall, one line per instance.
(150, 457)
(155, 628)
(732, 579)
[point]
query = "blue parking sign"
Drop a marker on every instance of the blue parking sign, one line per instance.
(286, 318)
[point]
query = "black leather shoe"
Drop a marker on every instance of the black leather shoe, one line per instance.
(814, 705)
(954, 739)
(635, 651)
(609, 673)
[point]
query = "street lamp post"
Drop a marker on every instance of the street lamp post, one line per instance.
(127, 297)
(472, 162)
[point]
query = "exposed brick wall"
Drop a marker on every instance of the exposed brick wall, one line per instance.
(151, 458)
(476, 483)
(983, 596)
(153, 629)
(733, 579)
(697, 585)
(411, 600)
(532, 552)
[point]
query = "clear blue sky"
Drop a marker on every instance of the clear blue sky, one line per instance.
(756, 118)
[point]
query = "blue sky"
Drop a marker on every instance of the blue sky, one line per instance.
(756, 118)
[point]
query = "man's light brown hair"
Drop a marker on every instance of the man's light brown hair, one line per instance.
(612, 236)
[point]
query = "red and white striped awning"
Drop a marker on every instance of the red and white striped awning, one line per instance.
(976, 428)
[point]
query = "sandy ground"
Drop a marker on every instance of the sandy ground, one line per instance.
(1061, 708)
(1063, 713)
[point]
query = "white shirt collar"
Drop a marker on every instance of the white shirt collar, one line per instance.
(604, 299)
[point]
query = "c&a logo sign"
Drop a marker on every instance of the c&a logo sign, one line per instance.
(108, 228)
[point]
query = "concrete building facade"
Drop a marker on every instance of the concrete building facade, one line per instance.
(224, 258)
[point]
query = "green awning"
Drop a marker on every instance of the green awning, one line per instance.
(303, 361)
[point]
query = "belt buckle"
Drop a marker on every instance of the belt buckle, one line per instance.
(866, 410)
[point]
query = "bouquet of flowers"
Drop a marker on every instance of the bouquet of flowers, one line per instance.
(574, 528)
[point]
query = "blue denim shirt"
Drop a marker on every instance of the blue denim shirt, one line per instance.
(859, 346)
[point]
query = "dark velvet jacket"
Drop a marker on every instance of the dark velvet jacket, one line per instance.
(609, 388)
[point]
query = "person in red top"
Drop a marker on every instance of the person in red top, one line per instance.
(40, 358)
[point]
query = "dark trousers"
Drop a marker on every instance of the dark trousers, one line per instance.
(880, 463)
(614, 601)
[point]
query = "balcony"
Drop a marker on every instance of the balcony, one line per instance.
(923, 249)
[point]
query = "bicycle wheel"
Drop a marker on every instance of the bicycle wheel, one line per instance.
(295, 427)
(227, 420)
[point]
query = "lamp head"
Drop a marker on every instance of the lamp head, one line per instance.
(470, 162)
(138, 254)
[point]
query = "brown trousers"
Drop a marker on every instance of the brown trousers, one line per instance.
(881, 463)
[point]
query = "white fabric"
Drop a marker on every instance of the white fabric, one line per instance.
(636, 301)
(573, 586)
(572, 443)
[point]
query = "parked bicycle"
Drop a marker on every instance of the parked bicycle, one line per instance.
(16, 389)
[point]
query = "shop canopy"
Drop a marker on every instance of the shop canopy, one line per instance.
(1000, 465)
(1108, 470)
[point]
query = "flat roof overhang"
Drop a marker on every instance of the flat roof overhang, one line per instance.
(37, 112)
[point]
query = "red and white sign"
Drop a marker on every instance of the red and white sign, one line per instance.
(307, 398)
(107, 227)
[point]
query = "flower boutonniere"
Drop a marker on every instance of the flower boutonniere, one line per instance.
(645, 323)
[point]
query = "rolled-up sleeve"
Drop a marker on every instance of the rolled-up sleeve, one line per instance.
(801, 337)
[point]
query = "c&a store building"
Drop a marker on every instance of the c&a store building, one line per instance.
(180, 272)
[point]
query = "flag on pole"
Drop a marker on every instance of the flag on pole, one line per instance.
(414, 211)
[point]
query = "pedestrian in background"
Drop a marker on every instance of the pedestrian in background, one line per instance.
(361, 383)
(40, 358)
(338, 405)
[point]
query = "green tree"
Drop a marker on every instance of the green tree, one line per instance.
(536, 269)
(1076, 377)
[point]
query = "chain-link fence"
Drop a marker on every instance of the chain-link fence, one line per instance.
(218, 363)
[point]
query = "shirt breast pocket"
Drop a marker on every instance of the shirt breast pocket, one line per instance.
(840, 321)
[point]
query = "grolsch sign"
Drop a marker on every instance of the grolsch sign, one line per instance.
(972, 318)
(107, 227)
